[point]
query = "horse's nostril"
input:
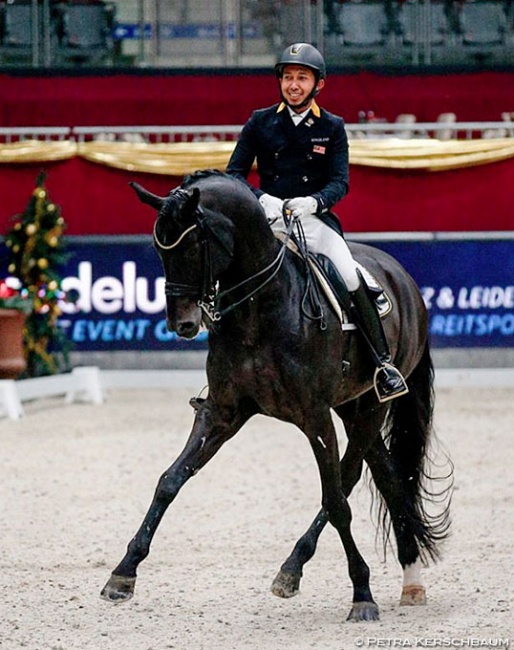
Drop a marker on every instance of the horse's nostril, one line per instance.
(187, 329)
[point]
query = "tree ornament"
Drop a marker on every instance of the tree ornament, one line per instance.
(36, 254)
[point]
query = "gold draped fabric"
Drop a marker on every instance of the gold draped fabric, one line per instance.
(32, 151)
(177, 159)
(430, 155)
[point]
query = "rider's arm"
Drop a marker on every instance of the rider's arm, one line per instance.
(337, 185)
(244, 154)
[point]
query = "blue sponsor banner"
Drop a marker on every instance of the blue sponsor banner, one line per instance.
(121, 303)
(121, 298)
(467, 285)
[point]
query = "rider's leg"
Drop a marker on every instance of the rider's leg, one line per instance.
(320, 238)
(389, 380)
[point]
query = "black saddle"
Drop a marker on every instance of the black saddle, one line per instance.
(340, 290)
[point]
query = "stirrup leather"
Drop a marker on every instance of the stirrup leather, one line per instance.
(385, 393)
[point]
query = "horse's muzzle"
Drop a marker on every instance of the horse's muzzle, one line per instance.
(186, 329)
(184, 317)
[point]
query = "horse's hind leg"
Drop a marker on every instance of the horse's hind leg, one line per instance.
(401, 473)
(400, 511)
(362, 424)
(287, 581)
(207, 436)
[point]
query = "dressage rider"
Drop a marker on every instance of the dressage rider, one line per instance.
(302, 161)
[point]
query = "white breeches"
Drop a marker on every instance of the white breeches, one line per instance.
(320, 238)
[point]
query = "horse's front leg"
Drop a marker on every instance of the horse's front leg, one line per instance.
(323, 440)
(210, 431)
(362, 426)
(287, 581)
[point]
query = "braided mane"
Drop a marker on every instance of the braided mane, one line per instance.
(201, 174)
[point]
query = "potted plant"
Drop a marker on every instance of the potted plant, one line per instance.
(15, 305)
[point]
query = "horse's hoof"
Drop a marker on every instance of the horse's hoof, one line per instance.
(413, 595)
(286, 585)
(118, 589)
(364, 611)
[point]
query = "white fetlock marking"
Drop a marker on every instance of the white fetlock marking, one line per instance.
(412, 574)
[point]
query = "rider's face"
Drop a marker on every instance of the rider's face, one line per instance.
(296, 83)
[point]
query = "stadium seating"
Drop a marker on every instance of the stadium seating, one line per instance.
(188, 34)
(363, 24)
(424, 23)
(56, 33)
(483, 23)
(16, 30)
(84, 32)
(428, 32)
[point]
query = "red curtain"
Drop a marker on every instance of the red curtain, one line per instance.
(475, 198)
(97, 200)
(216, 98)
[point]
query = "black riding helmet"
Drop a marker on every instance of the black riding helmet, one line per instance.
(302, 54)
(307, 55)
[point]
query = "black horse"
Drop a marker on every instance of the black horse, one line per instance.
(269, 354)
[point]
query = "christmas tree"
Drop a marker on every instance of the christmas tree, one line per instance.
(36, 252)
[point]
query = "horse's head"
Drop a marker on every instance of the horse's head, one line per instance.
(195, 246)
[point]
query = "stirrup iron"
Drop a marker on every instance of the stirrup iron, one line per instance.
(384, 393)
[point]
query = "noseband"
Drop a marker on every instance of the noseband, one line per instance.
(181, 289)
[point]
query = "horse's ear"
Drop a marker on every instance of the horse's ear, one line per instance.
(147, 197)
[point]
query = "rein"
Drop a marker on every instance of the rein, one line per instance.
(274, 266)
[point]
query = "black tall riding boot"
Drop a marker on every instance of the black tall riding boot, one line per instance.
(389, 382)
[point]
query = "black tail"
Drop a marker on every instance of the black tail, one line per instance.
(408, 434)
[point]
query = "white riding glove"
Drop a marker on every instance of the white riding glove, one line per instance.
(302, 206)
(272, 207)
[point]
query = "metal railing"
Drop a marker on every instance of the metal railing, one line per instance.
(229, 133)
(157, 133)
(43, 133)
(438, 130)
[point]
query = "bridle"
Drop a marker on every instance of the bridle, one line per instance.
(182, 289)
(210, 296)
